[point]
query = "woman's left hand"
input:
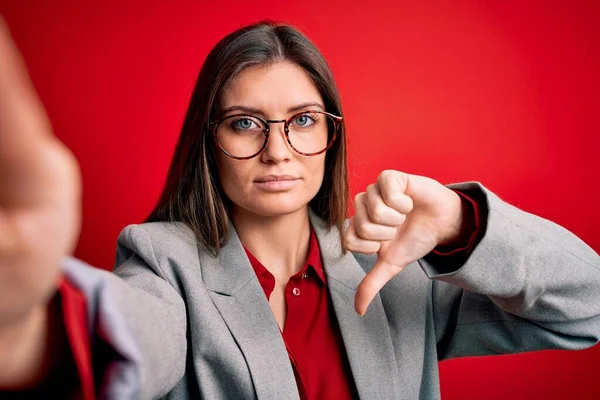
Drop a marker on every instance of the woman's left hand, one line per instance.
(402, 218)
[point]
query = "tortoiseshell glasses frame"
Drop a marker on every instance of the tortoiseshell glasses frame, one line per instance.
(337, 122)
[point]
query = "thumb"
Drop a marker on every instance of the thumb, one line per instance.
(371, 284)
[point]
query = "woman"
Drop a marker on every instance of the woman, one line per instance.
(247, 281)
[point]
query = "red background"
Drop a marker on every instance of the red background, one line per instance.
(501, 92)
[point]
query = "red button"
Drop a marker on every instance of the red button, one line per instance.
(296, 291)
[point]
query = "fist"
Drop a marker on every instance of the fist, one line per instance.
(39, 194)
(402, 218)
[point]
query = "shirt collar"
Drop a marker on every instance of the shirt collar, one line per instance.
(313, 261)
(313, 258)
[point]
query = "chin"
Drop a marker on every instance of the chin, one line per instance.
(275, 207)
(277, 211)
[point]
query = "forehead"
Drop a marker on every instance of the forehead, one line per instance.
(271, 88)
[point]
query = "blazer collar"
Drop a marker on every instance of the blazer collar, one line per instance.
(236, 292)
(367, 339)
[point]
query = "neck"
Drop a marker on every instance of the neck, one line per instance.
(280, 243)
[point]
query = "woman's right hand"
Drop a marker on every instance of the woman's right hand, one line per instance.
(39, 217)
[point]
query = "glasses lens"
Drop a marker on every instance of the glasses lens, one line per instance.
(311, 132)
(241, 135)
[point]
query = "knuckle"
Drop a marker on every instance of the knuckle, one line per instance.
(371, 189)
(367, 231)
(362, 229)
(386, 173)
(348, 241)
(360, 196)
(377, 214)
(394, 199)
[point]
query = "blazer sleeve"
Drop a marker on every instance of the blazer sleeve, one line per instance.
(529, 284)
(137, 321)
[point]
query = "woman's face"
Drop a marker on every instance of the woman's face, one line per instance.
(273, 91)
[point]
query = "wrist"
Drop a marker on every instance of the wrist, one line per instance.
(457, 223)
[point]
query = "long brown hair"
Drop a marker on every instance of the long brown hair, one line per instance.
(192, 193)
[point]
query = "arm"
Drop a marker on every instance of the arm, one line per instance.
(138, 321)
(137, 331)
(39, 224)
(529, 284)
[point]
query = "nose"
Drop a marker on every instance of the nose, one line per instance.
(277, 148)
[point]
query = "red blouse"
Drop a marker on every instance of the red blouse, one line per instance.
(311, 332)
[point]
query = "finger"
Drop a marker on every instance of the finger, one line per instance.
(353, 242)
(365, 228)
(21, 110)
(379, 275)
(393, 186)
(29, 154)
(379, 212)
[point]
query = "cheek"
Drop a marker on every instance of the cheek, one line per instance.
(230, 175)
(315, 170)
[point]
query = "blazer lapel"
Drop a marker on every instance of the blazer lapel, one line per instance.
(237, 294)
(367, 339)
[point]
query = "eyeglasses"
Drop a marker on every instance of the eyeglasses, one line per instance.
(243, 136)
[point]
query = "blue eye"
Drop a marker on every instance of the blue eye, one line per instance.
(304, 120)
(244, 124)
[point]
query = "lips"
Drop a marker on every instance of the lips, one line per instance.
(276, 178)
(276, 183)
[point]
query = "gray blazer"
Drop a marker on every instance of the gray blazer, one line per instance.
(174, 321)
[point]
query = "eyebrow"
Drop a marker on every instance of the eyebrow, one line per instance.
(253, 110)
